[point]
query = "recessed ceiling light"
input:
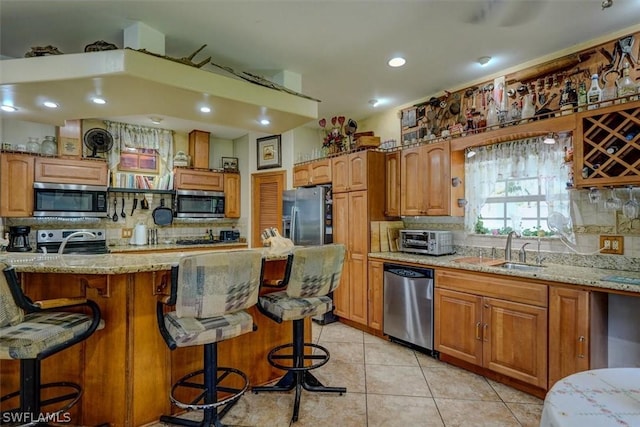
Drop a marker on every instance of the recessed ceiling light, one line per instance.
(8, 108)
(205, 109)
(397, 62)
(265, 122)
(50, 104)
(484, 60)
(374, 102)
(99, 101)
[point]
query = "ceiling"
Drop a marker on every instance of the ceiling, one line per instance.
(339, 48)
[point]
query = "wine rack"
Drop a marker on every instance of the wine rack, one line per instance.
(607, 146)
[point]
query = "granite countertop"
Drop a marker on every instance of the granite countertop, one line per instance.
(216, 244)
(628, 281)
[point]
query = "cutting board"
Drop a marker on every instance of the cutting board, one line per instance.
(375, 236)
(385, 245)
(393, 234)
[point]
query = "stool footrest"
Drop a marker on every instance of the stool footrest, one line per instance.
(297, 361)
(234, 393)
(72, 397)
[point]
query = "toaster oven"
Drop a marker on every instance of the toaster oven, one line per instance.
(426, 242)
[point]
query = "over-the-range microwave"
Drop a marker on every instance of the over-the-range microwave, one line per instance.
(199, 204)
(69, 200)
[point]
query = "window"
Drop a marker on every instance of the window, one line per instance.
(139, 160)
(516, 186)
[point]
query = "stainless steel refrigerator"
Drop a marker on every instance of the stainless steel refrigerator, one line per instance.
(307, 215)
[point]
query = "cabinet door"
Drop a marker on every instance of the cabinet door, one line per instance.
(515, 340)
(341, 235)
(320, 172)
(187, 179)
(569, 340)
(392, 187)
(458, 325)
(69, 171)
(437, 196)
(358, 171)
(232, 195)
(358, 250)
(199, 149)
(301, 175)
(411, 185)
(340, 174)
(376, 278)
(16, 185)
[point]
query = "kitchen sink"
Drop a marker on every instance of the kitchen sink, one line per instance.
(519, 266)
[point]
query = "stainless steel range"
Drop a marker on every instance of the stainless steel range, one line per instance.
(80, 241)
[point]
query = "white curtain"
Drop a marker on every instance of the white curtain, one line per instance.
(522, 158)
(134, 136)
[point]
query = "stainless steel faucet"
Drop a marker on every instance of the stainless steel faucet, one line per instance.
(522, 254)
(70, 236)
(507, 248)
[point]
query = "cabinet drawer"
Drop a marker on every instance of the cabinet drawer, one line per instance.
(511, 289)
(68, 171)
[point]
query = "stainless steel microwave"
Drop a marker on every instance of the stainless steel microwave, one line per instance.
(199, 204)
(69, 200)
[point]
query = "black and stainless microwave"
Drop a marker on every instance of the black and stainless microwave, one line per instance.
(199, 204)
(69, 200)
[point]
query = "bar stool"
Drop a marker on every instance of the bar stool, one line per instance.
(312, 273)
(211, 293)
(32, 331)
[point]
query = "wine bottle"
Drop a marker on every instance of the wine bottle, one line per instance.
(594, 95)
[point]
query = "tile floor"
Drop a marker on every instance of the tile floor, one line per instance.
(388, 385)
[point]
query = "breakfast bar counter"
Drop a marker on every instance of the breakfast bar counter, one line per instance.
(126, 369)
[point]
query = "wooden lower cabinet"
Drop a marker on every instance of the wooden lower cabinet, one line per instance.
(505, 336)
(376, 297)
(578, 331)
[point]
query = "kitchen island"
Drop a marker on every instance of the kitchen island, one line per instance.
(126, 369)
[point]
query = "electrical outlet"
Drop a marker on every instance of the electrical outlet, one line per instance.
(127, 232)
(612, 245)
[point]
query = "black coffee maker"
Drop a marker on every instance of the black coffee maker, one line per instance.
(19, 239)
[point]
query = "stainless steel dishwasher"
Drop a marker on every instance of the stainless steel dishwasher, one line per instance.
(408, 305)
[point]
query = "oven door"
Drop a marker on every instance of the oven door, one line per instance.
(69, 200)
(199, 204)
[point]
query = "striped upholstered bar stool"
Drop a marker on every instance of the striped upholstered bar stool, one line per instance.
(211, 293)
(312, 273)
(31, 332)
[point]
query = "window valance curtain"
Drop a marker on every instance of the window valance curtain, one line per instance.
(521, 158)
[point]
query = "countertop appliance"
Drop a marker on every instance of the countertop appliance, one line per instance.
(426, 242)
(308, 215)
(229, 235)
(199, 204)
(69, 200)
(408, 305)
(81, 244)
(19, 239)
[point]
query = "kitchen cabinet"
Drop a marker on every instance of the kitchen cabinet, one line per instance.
(189, 179)
(16, 185)
(497, 323)
(376, 297)
(426, 185)
(578, 325)
(607, 146)
(314, 173)
(392, 187)
(356, 171)
(352, 213)
(232, 195)
(199, 149)
(71, 171)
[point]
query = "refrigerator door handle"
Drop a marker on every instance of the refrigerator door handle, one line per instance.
(294, 216)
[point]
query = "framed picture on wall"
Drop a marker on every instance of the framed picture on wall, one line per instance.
(269, 152)
(230, 164)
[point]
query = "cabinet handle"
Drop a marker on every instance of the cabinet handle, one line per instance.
(484, 332)
(478, 331)
(581, 340)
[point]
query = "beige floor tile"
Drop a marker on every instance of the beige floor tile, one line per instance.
(509, 394)
(263, 409)
(339, 332)
(316, 330)
(454, 383)
(348, 352)
(349, 375)
(396, 380)
(475, 413)
(528, 414)
(401, 411)
(320, 409)
(427, 361)
(373, 338)
(388, 353)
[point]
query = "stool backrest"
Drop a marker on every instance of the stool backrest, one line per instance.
(217, 283)
(10, 312)
(315, 270)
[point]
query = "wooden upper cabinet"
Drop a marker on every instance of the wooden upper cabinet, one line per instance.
(199, 149)
(71, 171)
(340, 174)
(232, 195)
(353, 172)
(392, 185)
(16, 185)
(411, 187)
(314, 173)
(188, 179)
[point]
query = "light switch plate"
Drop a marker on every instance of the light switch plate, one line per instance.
(612, 245)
